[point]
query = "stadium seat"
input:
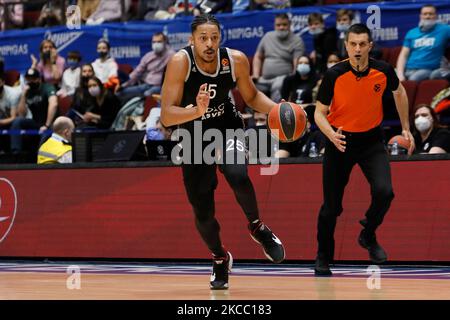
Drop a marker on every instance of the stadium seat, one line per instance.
(411, 91)
(11, 77)
(385, 54)
(125, 67)
(427, 89)
(393, 55)
(149, 103)
(30, 18)
(64, 105)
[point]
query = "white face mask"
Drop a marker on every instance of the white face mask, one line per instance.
(316, 32)
(422, 123)
(342, 27)
(94, 91)
(158, 47)
(303, 69)
(282, 34)
(427, 25)
(329, 65)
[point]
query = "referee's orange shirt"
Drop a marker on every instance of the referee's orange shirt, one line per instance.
(355, 99)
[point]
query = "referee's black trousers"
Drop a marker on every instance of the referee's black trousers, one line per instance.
(368, 151)
(200, 181)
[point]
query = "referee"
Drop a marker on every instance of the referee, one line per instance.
(349, 112)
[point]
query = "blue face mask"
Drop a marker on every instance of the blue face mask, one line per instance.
(72, 64)
(154, 134)
(303, 69)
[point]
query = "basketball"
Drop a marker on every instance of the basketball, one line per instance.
(287, 121)
(402, 142)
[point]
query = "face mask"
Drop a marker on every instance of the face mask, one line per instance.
(158, 47)
(154, 134)
(342, 27)
(316, 31)
(329, 65)
(72, 64)
(46, 55)
(102, 54)
(94, 91)
(303, 69)
(427, 25)
(282, 34)
(422, 123)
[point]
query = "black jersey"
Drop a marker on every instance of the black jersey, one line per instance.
(221, 113)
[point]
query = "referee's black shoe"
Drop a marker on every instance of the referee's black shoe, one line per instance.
(272, 246)
(369, 241)
(221, 268)
(322, 266)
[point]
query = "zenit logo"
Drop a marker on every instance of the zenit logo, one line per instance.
(8, 207)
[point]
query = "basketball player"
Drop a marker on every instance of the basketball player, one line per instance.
(349, 112)
(196, 88)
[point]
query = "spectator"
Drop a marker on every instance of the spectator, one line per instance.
(429, 135)
(276, 56)
(57, 148)
(71, 76)
(298, 87)
(51, 14)
(159, 132)
(82, 100)
(325, 41)
(213, 6)
(423, 49)
(146, 79)
(271, 4)
(344, 20)
(332, 59)
(104, 106)
(13, 14)
(176, 9)
(9, 100)
(148, 8)
(39, 98)
(105, 67)
(51, 65)
(87, 8)
(108, 11)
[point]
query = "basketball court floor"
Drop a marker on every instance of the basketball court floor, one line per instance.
(189, 281)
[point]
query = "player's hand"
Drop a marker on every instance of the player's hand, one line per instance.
(338, 139)
(202, 99)
(408, 136)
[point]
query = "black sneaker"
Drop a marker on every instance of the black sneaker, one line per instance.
(322, 267)
(369, 242)
(221, 268)
(272, 246)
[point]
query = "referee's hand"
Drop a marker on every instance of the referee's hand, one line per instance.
(408, 136)
(338, 139)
